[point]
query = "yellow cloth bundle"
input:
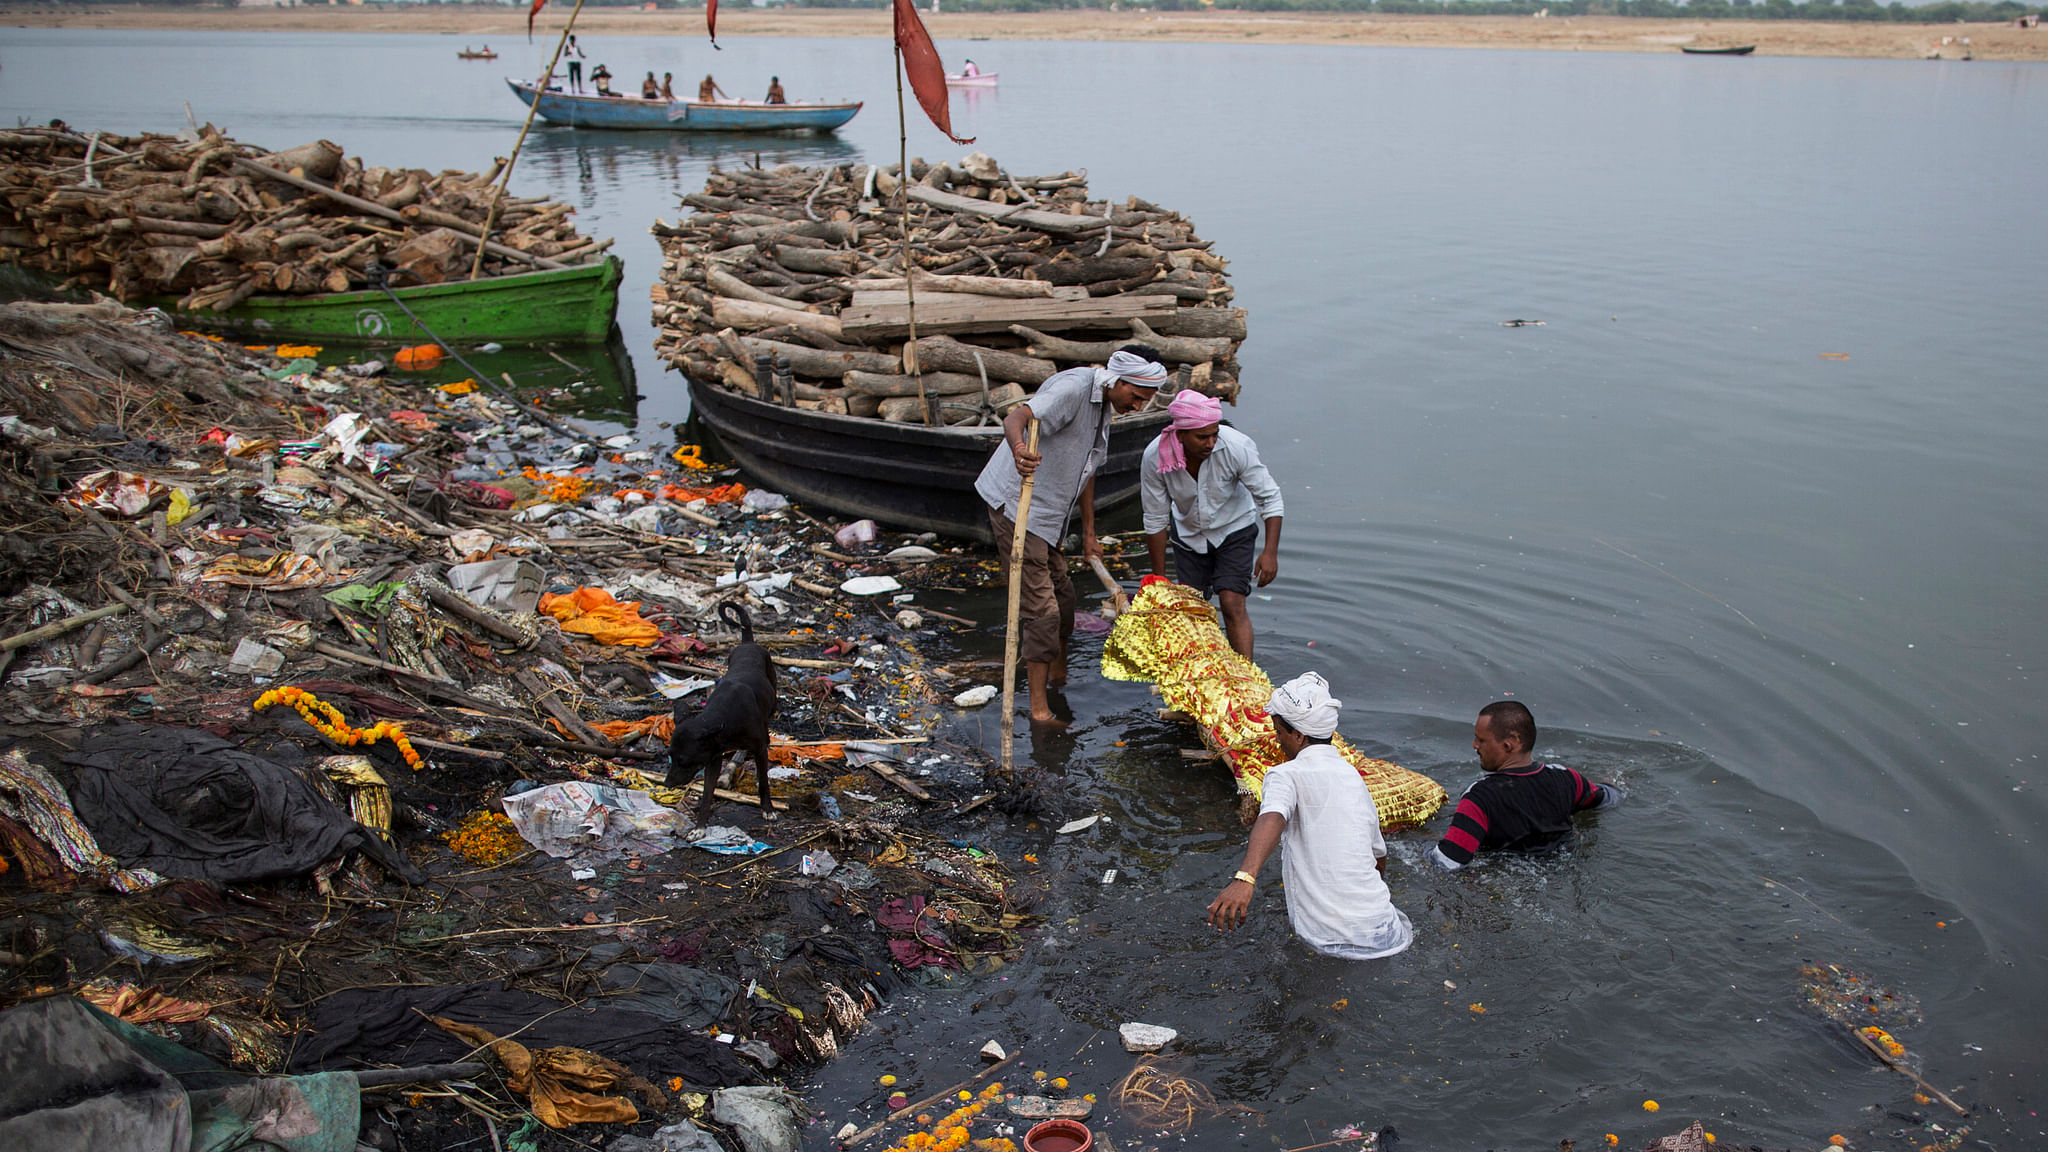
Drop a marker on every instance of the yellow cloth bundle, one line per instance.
(1170, 637)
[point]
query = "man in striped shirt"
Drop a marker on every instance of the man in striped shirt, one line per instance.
(1517, 804)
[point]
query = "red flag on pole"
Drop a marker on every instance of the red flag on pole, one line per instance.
(711, 20)
(921, 64)
(531, 13)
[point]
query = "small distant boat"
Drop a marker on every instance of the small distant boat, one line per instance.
(1743, 50)
(684, 115)
(486, 54)
(977, 80)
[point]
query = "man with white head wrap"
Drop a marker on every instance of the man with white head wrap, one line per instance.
(1073, 410)
(1206, 491)
(1317, 810)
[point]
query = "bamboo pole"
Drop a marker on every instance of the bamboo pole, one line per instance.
(1118, 602)
(1017, 542)
(911, 362)
(505, 178)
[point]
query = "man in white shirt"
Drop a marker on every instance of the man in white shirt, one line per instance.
(1317, 810)
(1204, 488)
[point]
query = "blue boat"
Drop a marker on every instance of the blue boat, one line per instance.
(683, 115)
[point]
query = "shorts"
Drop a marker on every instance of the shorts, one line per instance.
(1225, 568)
(1045, 616)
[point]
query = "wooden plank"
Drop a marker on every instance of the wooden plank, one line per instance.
(950, 312)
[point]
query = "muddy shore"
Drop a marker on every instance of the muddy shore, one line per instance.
(1567, 34)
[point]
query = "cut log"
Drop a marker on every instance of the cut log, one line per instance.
(1176, 350)
(726, 284)
(961, 312)
(319, 160)
(952, 409)
(1038, 218)
(751, 315)
(938, 383)
(1228, 323)
(972, 285)
(817, 260)
(374, 209)
(944, 354)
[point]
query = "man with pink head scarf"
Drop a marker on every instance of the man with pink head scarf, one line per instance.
(1205, 493)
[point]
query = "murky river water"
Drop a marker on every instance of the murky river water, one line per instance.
(1795, 602)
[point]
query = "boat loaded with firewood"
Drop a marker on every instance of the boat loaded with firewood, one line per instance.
(306, 243)
(784, 300)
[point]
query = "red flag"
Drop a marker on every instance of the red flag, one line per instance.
(711, 20)
(921, 64)
(530, 14)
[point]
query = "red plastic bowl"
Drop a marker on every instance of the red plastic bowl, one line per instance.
(1059, 1136)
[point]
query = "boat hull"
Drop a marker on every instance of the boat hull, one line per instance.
(905, 475)
(985, 80)
(1744, 50)
(683, 116)
(569, 304)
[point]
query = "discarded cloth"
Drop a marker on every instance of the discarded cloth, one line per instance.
(727, 840)
(509, 583)
(363, 1027)
(1170, 637)
(689, 997)
(122, 493)
(564, 1085)
(187, 803)
(595, 613)
(138, 1005)
(912, 942)
(33, 798)
(281, 571)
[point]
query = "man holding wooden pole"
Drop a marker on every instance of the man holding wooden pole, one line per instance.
(1073, 410)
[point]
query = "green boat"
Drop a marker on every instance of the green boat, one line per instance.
(567, 304)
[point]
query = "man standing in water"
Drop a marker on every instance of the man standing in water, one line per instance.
(1073, 409)
(1317, 810)
(1517, 803)
(1205, 489)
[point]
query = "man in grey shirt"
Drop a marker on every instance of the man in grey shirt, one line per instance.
(1204, 485)
(1073, 410)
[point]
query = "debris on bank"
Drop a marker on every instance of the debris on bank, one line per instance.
(212, 221)
(335, 709)
(789, 285)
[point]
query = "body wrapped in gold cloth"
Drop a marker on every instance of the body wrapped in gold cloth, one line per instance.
(1170, 637)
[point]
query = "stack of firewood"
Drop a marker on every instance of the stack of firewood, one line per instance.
(213, 222)
(789, 285)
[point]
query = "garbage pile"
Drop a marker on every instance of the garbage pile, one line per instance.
(213, 221)
(335, 717)
(789, 285)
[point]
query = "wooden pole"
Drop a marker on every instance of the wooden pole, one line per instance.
(505, 178)
(911, 362)
(1017, 541)
(1118, 602)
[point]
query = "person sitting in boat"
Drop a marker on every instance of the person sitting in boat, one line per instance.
(650, 88)
(1316, 809)
(775, 95)
(1206, 492)
(970, 69)
(602, 77)
(668, 86)
(709, 91)
(1073, 410)
(1516, 803)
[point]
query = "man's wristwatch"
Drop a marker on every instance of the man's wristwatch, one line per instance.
(1247, 878)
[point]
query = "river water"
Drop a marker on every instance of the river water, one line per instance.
(1792, 599)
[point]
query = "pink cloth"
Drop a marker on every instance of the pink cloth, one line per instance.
(1189, 409)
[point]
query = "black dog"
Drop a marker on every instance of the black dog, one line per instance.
(734, 719)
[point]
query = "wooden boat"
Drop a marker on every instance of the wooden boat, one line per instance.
(684, 115)
(571, 304)
(1744, 50)
(978, 80)
(905, 475)
(486, 54)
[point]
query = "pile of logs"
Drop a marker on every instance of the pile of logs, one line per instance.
(213, 222)
(789, 285)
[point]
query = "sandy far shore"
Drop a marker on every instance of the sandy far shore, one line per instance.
(1571, 34)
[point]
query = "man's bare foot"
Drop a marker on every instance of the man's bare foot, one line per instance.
(1047, 720)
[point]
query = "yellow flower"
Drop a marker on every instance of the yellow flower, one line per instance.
(1479, 1009)
(887, 1081)
(1612, 1139)
(1838, 1140)
(1650, 1105)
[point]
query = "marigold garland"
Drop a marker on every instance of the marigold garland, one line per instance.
(486, 838)
(327, 720)
(1883, 1039)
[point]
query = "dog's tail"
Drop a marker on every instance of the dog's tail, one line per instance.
(733, 614)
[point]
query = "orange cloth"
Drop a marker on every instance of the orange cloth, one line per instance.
(715, 494)
(564, 1085)
(661, 727)
(594, 613)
